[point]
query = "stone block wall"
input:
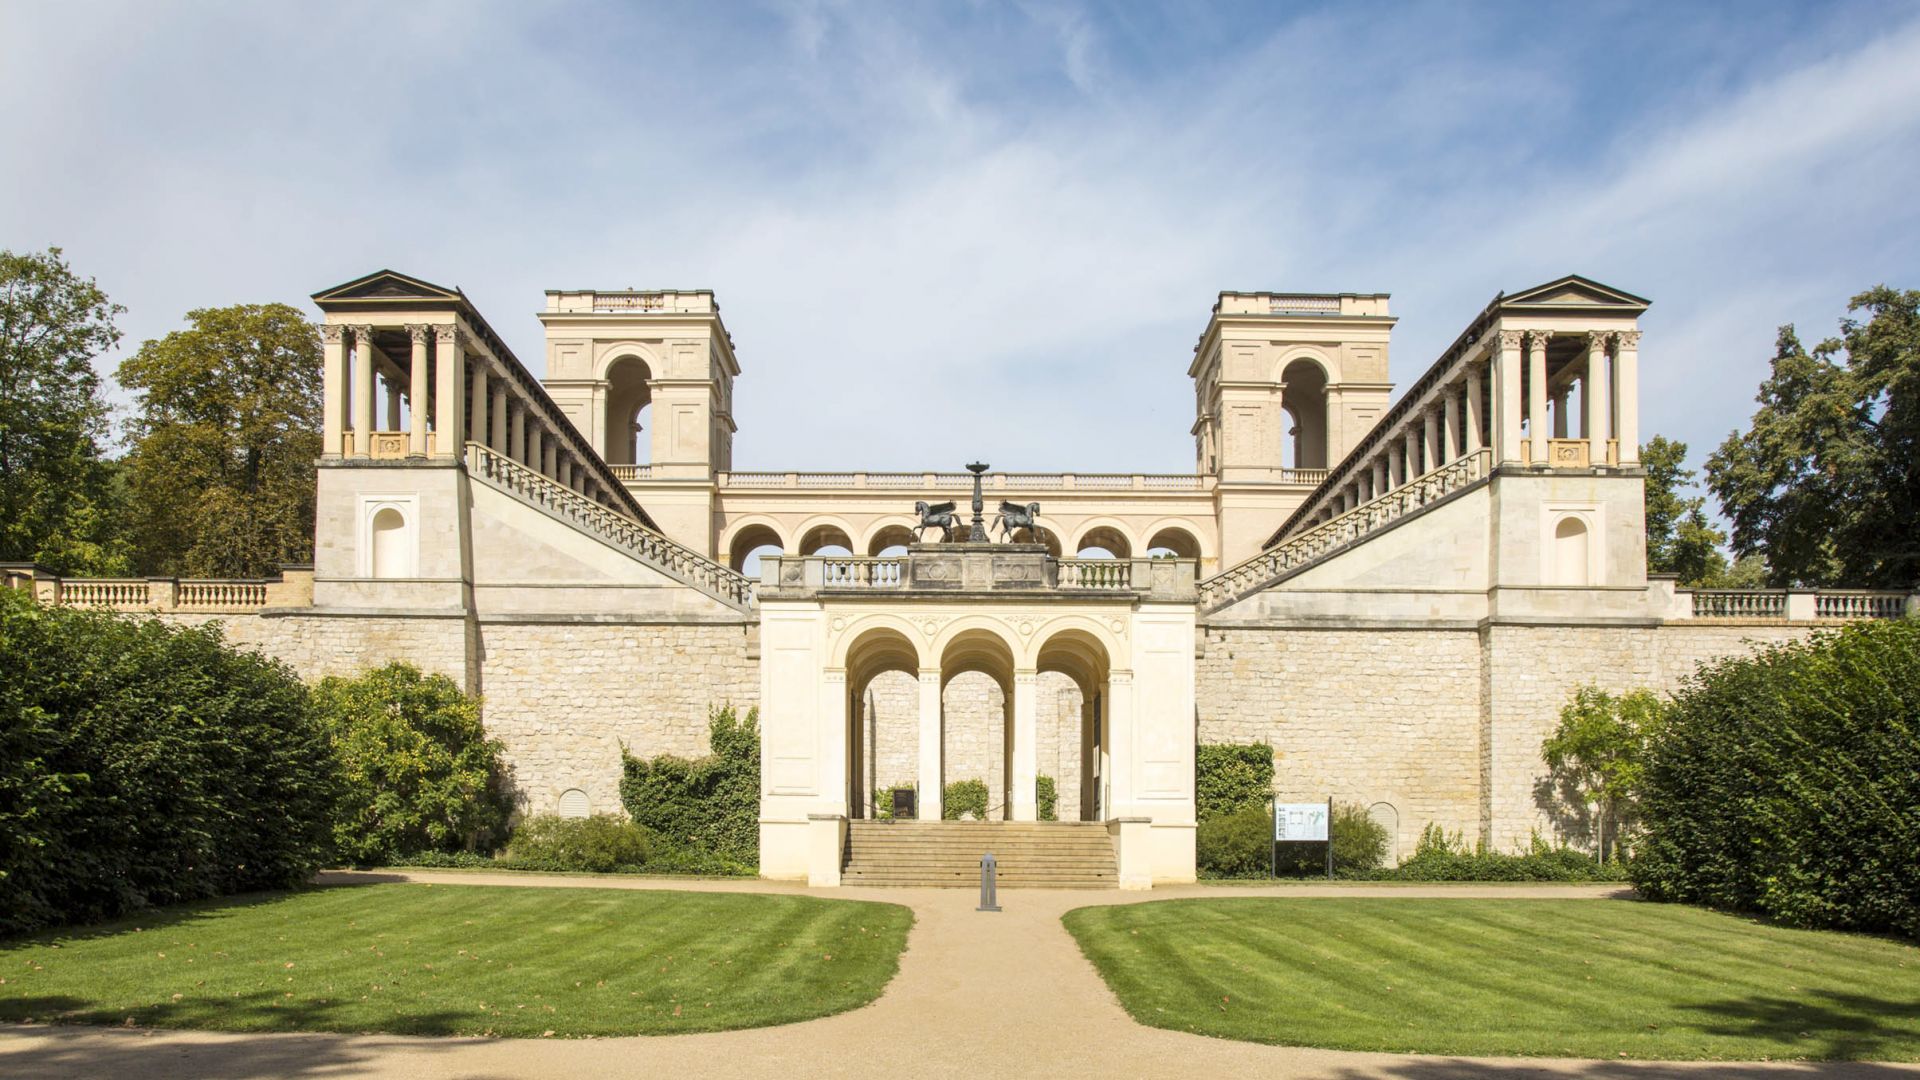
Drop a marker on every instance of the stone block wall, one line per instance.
(974, 736)
(890, 719)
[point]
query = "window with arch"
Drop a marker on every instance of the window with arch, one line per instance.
(629, 412)
(1304, 403)
(1572, 549)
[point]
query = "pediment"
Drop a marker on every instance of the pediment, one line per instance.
(1575, 291)
(387, 285)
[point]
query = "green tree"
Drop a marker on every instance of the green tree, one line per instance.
(220, 477)
(1680, 540)
(418, 771)
(1597, 755)
(55, 491)
(1825, 483)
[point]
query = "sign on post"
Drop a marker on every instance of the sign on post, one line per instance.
(1302, 823)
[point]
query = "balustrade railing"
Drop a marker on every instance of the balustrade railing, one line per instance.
(632, 472)
(1337, 532)
(1740, 604)
(1305, 305)
(861, 573)
(106, 592)
(1858, 604)
(1799, 605)
(206, 594)
(674, 559)
(1011, 483)
(1095, 574)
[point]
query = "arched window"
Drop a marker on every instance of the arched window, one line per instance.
(629, 412)
(390, 555)
(1570, 552)
(1304, 402)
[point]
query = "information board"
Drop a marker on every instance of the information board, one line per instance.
(1300, 821)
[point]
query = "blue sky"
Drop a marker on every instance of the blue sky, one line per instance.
(1013, 217)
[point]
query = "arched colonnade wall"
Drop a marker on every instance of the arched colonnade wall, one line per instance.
(859, 694)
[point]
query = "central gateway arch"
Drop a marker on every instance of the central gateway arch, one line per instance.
(1121, 629)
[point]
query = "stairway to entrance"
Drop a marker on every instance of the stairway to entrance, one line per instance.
(946, 854)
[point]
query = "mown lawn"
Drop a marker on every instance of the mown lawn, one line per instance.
(464, 960)
(1577, 978)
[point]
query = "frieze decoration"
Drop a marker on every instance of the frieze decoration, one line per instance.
(930, 627)
(1025, 627)
(839, 624)
(1118, 626)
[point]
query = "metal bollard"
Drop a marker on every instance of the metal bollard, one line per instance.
(986, 884)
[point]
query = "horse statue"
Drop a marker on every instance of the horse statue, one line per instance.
(1014, 517)
(936, 516)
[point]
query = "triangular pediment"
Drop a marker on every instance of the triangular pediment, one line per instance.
(387, 285)
(1575, 291)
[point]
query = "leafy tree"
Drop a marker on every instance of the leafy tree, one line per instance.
(1826, 481)
(1598, 753)
(220, 477)
(55, 491)
(1679, 538)
(418, 771)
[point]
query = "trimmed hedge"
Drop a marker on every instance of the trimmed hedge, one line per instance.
(1440, 857)
(143, 764)
(1230, 777)
(708, 807)
(599, 844)
(1788, 783)
(964, 797)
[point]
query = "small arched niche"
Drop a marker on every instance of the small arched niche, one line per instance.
(1572, 546)
(574, 804)
(392, 557)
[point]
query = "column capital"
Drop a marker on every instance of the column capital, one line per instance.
(418, 332)
(1509, 339)
(1627, 339)
(363, 333)
(834, 675)
(332, 333)
(1120, 678)
(1597, 340)
(1539, 338)
(1025, 675)
(448, 334)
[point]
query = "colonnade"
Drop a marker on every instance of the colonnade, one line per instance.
(456, 389)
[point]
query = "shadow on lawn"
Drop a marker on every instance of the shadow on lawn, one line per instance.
(1822, 1023)
(258, 1011)
(37, 1053)
(1619, 1070)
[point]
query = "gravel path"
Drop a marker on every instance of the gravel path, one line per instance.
(978, 995)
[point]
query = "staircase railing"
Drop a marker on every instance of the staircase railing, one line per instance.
(1297, 551)
(677, 561)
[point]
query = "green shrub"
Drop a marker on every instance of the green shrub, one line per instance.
(143, 764)
(418, 771)
(1359, 845)
(599, 844)
(1230, 777)
(1443, 857)
(709, 807)
(1788, 783)
(1047, 798)
(963, 797)
(1239, 844)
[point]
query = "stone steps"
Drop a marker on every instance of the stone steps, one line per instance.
(946, 854)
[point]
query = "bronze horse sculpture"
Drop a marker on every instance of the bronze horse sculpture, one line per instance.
(1014, 517)
(936, 516)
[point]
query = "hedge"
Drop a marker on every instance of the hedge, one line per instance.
(710, 806)
(143, 764)
(1788, 783)
(1231, 776)
(1440, 857)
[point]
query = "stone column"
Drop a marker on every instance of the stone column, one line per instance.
(1450, 447)
(333, 376)
(1382, 473)
(536, 447)
(1560, 428)
(1475, 422)
(550, 455)
(930, 766)
(478, 394)
(362, 391)
(449, 411)
(1506, 393)
(833, 754)
(1412, 452)
(1121, 744)
(517, 434)
(1593, 392)
(392, 421)
(1537, 395)
(1626, 398)
(1022, 801)
(1431, 446)
(417, 432)
(498, 438)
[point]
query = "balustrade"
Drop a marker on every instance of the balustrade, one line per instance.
(1096, 574)
(861, 573)
(1855, 604)
(206, 594)
(105, 592)
(1740, 604)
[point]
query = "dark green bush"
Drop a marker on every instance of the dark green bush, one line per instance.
(964, 797)
(418, 771)
(600, 844)
(709, 807)
(1236, 845)
(1440, 857)
(1047, 798)
(1788, 783)
(143, 764)
(1230, 777)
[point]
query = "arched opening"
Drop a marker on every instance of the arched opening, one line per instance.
(883, 735)
(1570, 552)
(1388, 818)
(1173, 542)
(744, 551)
(629, 412)
(1103, 542)
(825, 540)
(1305, 402)
(1040, 534)
(1072, 733)
(976, 722)
(573, 804)
(890, 541)
(390, 554)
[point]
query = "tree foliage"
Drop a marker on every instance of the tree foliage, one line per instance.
(1597, 755)
(220, 476)
(143, 764)
(56, 505)
(418, 771)
(1680, 540)
(1825, 483)
(1788, 783)
(708, 806)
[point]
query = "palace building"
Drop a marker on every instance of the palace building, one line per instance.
(1396, 593)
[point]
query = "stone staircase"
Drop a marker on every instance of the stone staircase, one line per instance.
(946, 854)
